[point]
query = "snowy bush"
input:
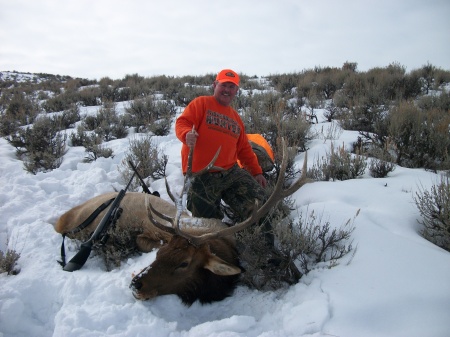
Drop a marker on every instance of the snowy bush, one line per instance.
(338, 165)
(299, 248)
(150, 161)
(107, 123)
(8, 262)
(381, 165)
(19, 109)
(420, 138)
(434, 207)
(41, 146)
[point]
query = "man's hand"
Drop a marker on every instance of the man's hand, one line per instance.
(261, 180)
(191, 138)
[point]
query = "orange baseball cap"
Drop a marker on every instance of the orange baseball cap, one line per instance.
(228, 75)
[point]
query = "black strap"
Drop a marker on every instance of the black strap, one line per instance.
(82, 226)
(91, 217)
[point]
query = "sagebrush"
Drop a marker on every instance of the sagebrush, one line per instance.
(150, 161)
(40, 146)
(338, 165)
(8, 262)
(434, 208)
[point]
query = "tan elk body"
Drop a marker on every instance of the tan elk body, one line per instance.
(193, 263)
(134, 219)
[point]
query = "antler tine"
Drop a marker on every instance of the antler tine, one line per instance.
(187, 181)
(175, 229)
(210, 165)
(170, 230)
(151, 210)
(169, 192)
(300, 181)
(277, 194)
(205, 169)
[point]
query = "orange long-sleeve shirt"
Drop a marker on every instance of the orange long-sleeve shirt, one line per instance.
(217, 126)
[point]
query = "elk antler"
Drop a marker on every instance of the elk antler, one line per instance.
(180, 202)
(278, 194)
(189, 175)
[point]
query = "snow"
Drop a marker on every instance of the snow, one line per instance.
(396, 283)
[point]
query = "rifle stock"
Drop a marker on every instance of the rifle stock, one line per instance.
(81, 257)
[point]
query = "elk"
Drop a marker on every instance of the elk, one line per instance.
(197, 262)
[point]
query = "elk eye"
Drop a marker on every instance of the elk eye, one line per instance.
(183, 265)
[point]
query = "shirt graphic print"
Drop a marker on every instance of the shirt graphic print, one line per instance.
(222, 123)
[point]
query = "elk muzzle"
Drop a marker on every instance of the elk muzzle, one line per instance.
(137, 284)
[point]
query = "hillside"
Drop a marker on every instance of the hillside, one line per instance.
(393, 283)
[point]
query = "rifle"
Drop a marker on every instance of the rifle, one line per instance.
(143, 184)
(86, 247)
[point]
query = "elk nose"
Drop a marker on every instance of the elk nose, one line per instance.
(136, 284)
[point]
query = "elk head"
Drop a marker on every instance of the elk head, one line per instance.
(202, 264)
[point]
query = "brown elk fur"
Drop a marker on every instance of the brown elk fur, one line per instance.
(206, 273)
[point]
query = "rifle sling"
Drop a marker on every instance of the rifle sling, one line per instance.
(82, 226)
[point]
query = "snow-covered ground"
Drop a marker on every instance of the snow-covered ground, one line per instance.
(397, 283)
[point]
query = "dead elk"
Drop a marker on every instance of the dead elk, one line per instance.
(201, 266)
(193, 263)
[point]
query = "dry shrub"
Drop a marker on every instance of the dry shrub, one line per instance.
(381, 165)
(20, 110)
(68, 117)
(95, 151)
(8, 262)
(107, 123)
(152, 115)
(118, 245)
(41, 146)
(151, 162)
(274, 117)
(299, 248)
(379, 168)
(420, 138)
(312, 240)
(338, 165)
(434, 207)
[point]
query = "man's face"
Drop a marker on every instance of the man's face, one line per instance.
(225, 92)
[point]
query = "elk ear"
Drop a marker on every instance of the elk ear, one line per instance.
(146, 244)
(220, 267)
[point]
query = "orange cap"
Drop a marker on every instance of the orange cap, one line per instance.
(228, 75)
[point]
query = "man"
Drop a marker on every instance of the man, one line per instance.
(207, 124)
